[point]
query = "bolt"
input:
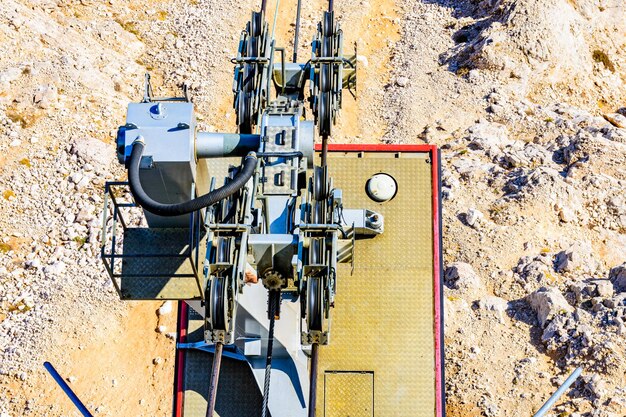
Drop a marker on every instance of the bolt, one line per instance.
(375, 221)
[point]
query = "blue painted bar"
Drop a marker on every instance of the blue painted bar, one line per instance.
(66, 388)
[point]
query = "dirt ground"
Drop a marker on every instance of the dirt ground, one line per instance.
(524, 97)
(109, 360)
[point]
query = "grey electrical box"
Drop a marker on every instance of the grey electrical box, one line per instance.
(168, 167)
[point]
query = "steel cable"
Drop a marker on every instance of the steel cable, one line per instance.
(273, 299)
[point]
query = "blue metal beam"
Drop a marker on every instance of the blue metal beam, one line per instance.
(66, 388)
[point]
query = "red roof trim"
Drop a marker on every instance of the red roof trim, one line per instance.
(377, 148)
(180, 359)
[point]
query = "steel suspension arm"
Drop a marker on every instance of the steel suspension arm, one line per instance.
(297, 34)
(215, 375)
(313, 383)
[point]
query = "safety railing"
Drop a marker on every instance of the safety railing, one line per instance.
(146, 262)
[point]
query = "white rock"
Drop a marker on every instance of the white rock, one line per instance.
(474, 216)
(596, 385)
(15, 143)
(493, 303)
(93, 151)
(490, 137)
(69, 217)
(83, 183)
(17, 22)
(28, 302)
(84, 215)
(33, 263)
(157, 361)
(461, 275)
(577, 258)
(45, 96)
(603, 287)
(362, 60)
(76, 177)
(547, 303)
(566, 213)
(162, 329)
(55, 269)
(165, 309)
(402, 81)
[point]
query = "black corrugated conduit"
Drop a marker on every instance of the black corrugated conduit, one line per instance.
(177, 209)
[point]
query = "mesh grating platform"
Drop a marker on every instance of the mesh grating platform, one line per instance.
(149, 263)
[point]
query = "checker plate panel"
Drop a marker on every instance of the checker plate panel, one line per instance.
(384, 312)
(349, 394)
(381, 356)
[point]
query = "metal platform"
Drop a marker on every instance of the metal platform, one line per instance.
(238, 395)
(149, 263)
(385, 353)
(381, 358)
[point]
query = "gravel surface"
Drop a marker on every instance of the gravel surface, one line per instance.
(524, 97)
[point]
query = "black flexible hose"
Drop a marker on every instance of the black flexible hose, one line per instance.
(186, 207)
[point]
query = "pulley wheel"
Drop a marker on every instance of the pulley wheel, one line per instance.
(325, 117)
(256, 24)
(244, 110)
(319, 185)
(315, 303)
(219, 303)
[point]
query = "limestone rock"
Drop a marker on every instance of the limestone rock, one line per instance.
(474, 217)
(493, 303)
(547, 303)
(461, 275)
(603, 288)
(616, 119)
(618, 277)
(165, 309)
(577, 258)
(402, 81)
(93, 151)
(45, 96)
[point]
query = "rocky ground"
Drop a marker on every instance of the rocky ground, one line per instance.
(525, 98)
